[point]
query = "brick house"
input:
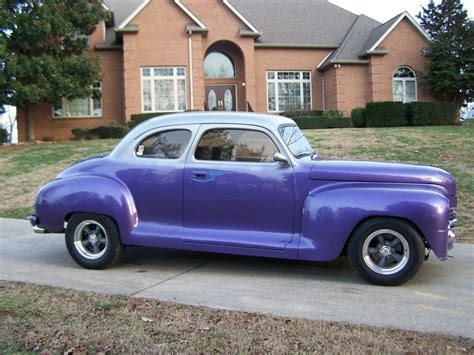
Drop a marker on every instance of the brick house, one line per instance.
(266, 55)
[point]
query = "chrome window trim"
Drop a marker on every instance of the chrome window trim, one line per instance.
(205, 127)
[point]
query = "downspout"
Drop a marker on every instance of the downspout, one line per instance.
(191, 86)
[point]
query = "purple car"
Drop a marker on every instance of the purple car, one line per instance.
(248, 184)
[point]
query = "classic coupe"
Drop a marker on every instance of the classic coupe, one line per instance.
(249, 184)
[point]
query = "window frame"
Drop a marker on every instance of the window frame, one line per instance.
(91, 106)
(206, 128)
(168, 129)
(275, 80)
(175, 78)
(404, 80)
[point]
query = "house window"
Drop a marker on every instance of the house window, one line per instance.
(218, 65)
(80, 107)
(163, 89)
(404, 85)
(288, 90)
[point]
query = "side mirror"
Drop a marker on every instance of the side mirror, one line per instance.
(281, 159)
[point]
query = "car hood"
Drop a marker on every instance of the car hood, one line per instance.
(365, 171)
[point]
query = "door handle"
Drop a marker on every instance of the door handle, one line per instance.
(199, 174)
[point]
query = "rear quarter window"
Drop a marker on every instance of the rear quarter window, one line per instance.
(164, 145)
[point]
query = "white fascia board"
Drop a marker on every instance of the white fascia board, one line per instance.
(324, 60)
(133, 14)
(395, 24)
(104, 5)
(240, 16)
(189, 13)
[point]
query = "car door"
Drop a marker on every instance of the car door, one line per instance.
(155, 179)
(234, 193)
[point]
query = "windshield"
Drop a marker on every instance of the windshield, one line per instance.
(296, 141)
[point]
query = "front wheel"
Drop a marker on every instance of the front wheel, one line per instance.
(93, 240)
(386, 251)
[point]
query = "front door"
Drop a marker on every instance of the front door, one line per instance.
(221, 98)
(234, 193)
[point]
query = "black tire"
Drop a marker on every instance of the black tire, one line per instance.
(373, 241)
(93, 240)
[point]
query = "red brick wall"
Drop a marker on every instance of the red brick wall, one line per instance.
(288, 59)
(223, 25)
(330, 88)
(163, 41)
(404, 44)
(352, 87)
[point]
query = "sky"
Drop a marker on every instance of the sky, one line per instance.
(384, 10)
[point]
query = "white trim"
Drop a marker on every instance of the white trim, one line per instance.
(301, 81)
(175, 79)
(91, 107)
(189, 13)
(324, 60)
(404, 84)
(104, 5)
(133, 14)
(239, 15)
(400, 18)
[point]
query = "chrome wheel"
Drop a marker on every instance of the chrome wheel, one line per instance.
(90, 239)
(386, 251)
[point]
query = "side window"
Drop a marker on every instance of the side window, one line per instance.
(164, 145)
(236, 145)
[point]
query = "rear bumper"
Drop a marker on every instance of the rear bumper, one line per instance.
(34, 221)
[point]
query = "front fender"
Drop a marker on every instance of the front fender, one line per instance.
(87, 194)
(332, 211)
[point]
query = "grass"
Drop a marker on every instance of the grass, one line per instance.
(51, 320)
(25, 168)
(449, 148)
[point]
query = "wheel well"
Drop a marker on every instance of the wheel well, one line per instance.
(69, 215)
(365, 220)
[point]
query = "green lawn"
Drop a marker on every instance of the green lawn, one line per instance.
(24, 168)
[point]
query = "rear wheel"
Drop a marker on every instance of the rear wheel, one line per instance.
(386, 251)
(93, 241)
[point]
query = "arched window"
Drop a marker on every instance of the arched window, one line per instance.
(404, 85)
(218, 65)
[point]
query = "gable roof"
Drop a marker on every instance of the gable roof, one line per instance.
(302, 22)
(353, 43)
(381, 32)
(319, 24)
(125, 10)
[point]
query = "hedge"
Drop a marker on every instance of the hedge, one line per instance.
(431, 113)
(301, 113)
(3, 136)
(359, 117)
(314, 122)
(142, 117)
(101, 132)
(386, 114)
(138, 118)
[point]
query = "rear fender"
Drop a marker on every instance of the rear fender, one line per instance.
(87, 194)
(332, 212)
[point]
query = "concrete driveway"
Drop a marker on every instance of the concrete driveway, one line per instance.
(438, 299)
